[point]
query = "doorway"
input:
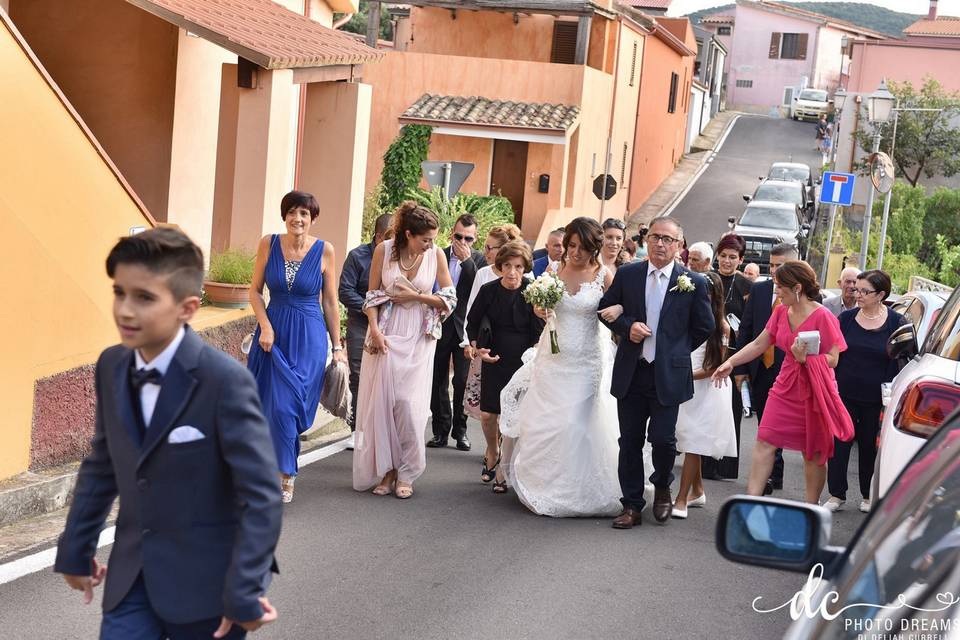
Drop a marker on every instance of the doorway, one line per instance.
(508, 177)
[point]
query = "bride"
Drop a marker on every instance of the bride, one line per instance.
(558, 418)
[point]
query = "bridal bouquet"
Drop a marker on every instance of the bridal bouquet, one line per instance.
(546, 292)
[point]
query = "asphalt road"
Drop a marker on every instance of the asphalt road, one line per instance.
(754, 143)
(457, 561)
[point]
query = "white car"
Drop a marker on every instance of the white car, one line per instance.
(921, 308)
(810, 103)
(922, 395)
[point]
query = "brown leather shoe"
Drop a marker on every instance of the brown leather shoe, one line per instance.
(662, 505)
(628, 519)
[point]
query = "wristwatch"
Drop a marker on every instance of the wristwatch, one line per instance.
(337, 348)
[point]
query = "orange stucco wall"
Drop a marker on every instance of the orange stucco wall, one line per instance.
(117, 65)
(660, 135)
(61, 209)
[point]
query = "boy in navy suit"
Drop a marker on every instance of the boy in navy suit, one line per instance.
(181, 439)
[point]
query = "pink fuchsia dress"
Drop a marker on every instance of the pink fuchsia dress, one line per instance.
(395, 386)
(804, 411)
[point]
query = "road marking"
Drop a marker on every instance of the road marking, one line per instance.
(706, 165)
(41, 560)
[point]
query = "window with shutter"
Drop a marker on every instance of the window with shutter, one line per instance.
(802, 46)
(723, 31)
(564, 43)
(672, 103)
(793, 46)
(775, 44)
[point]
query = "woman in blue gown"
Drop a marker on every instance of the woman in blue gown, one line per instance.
(289, 351)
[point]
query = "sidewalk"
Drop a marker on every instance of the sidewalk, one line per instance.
(33, 506)
(686, 171)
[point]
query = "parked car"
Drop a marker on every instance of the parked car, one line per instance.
(921, 308)
(810, 103)
(784, 191)
(900, 572)
(764, 224)
(925, 392)
(794, 171)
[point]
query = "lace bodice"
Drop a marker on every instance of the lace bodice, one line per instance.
(578, 327)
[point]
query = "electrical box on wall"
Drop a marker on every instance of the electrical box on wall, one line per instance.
(544, 184)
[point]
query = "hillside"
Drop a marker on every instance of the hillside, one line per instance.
(865, 15)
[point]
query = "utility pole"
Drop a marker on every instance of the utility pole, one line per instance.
(373, 24)
(868, 214)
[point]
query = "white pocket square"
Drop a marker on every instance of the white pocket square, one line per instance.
(185, 434)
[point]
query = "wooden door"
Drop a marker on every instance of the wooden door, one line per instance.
(509, 173)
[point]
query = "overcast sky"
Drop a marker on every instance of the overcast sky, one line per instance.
(946, 7)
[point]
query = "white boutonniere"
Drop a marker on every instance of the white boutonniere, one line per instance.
(684, 284)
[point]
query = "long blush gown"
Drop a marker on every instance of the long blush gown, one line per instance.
(395, 387)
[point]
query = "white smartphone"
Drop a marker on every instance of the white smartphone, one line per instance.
(812, 340)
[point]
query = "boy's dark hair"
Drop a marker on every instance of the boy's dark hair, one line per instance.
(466, 220)
(296, 199)
(164, 251)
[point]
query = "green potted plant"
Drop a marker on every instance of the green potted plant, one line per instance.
(229, 277)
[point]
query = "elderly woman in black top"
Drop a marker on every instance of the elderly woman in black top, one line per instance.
(862, 368)
(501, 325)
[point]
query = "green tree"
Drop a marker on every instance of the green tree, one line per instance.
(907, 211)
(358, 23)
(401, 164)
(928, 142)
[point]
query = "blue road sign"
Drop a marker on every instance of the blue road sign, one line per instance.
(837, 188)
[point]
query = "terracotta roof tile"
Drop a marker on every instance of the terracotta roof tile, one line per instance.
(495, 113)
(648, 4)
(942, 26)
(263, 32)
(717, 19)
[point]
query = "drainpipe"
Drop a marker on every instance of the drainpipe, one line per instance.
(613, 109)
(301, 119)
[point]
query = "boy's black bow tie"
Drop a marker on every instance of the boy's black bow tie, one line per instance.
(140, 377)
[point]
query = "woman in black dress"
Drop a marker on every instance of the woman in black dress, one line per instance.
(736, 288)
(501, 325)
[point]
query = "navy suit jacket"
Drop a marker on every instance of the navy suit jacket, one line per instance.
(686, 321)
(200, 520)
(756, 314)
(540, 265)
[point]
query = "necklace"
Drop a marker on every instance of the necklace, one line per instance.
(866, 317)
(416, 261)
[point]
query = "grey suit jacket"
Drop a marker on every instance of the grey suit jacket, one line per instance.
(835, 305)
(200, 520)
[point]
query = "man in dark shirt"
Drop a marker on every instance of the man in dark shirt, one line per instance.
(463, 261)
(354, 280)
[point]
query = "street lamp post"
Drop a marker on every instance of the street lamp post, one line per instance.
(839, 100)
(879, 107)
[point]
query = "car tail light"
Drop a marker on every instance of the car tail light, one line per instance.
(924, 407)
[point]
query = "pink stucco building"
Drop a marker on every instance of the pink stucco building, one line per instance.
(775, 46)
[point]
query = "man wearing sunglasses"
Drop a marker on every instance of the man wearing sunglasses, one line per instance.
(463, 261)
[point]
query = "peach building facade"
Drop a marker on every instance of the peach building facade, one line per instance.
(583, 56)
(130, 113)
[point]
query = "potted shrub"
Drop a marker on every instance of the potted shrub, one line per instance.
(229, 277)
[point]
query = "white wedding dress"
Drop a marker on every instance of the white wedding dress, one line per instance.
(559, 420)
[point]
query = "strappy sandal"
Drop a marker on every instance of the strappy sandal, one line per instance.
(286, 489)
(383, 489)
(500, 486)
(404, 491)
(489, 473)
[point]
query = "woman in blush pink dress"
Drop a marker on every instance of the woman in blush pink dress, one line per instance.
(804, 411)
(396, 372)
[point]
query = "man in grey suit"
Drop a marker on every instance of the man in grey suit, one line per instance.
(180, 438)
(848, 292)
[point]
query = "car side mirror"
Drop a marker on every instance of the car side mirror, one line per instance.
(902, 343)
(774, 533)
(732, 221)
(747, 197)
(761, 178)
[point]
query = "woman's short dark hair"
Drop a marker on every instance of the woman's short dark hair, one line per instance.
(614, 223)
(794, 272)
(590, 234)
(732, 241)
(515, 249)
(297, 199)
(414, 218)
(879, 280)
(164, 251)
